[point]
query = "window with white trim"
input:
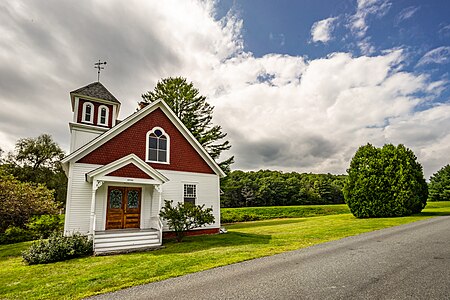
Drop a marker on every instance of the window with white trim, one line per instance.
(190, 193)
(103, 114)
(88, 112)
(158, 146)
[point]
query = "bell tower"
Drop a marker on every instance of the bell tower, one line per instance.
(95, 110)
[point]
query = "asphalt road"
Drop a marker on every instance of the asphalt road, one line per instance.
(406, 262)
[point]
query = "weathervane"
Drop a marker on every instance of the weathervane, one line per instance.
(99, 67)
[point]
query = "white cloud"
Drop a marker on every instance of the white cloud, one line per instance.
(279, 39)
(440, 55)
(406, 13)
(358, 21)
(280, 111)
(321, 30)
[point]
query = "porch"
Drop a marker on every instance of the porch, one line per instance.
(125, 204)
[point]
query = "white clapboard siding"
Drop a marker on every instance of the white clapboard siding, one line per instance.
(207, 191)
(80, 193)
(79, 199)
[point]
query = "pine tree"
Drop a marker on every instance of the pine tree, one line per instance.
(195, 113)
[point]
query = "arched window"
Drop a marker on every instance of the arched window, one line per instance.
(88, 112)
(103, 114)
(158, 145)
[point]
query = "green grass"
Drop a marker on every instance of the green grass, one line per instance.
(79, 278)
(242, 214)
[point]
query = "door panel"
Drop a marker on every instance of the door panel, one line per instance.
(123, 207)
(114, 213)
(132, 214)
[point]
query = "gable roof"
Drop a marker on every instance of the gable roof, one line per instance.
(95, 90)
(124, 161)
(132, 119)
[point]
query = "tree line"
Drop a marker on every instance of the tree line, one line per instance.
(275, 188)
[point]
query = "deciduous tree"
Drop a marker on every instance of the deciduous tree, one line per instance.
(21, 200)
(38, 160)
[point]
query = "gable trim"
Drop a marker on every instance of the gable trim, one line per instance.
(102, 171)
(134, 118)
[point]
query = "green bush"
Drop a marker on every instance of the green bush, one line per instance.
(43, 226)
(15, 234)
(385, 182)
(21, 200)
(58, 248)
(185, 216)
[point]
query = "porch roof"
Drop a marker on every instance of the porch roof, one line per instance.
(103, 173)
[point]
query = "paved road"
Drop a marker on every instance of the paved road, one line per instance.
(406, 262)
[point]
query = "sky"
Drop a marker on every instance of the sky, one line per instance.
(297, 85)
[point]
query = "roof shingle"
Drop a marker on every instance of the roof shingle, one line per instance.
(96, 90)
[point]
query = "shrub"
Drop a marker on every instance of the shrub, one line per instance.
(185, 216)
(15, 234)
(21, 200)
(58, 248)
(386, 182)
(43, 226)
(439, 188)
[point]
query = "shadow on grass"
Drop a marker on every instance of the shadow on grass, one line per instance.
(433, 214)
(205, 242)
(261, 223)
(13, 250)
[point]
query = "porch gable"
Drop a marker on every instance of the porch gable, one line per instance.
(129, 168)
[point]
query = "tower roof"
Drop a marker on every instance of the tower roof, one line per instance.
(96, 90)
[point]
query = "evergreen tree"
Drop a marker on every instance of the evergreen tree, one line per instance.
(195, 113)
(439, 187)
(385, 182)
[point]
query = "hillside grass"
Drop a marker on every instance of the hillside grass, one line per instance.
(79, 278)
(243, 214)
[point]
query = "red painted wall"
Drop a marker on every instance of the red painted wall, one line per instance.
(183, 157)
(95, 112)
(130, 171)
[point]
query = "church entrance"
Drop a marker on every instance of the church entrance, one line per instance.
(124, 207)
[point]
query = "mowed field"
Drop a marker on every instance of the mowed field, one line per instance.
(83, 277)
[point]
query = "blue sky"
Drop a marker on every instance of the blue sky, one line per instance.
(284, 27)
(297, 85)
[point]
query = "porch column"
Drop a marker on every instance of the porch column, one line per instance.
(159, 189)
(160, 224)
(95, 185)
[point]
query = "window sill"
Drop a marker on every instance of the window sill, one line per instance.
(157, 162)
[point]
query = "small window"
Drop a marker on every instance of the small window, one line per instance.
(88, 110)
(103, 114)
(190, 193)
(157, 146)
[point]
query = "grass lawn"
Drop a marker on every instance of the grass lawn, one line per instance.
(79, 278)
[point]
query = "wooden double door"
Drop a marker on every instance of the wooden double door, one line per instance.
(124, 207)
